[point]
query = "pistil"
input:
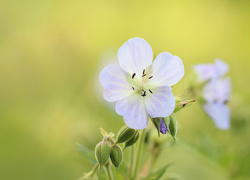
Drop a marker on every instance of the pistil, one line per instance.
(144, 94)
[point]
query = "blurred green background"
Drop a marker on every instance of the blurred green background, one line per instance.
(51, 53)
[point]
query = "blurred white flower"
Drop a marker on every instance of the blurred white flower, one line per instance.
(216, 92)
(142, 88)
(209, 71)
(109, 56)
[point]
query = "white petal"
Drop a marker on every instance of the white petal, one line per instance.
(219, 113)
(135, 55)
(204, 71)
(167, 70)
(221, 67)
(133, 111)
(161, 102)
(217, 90)
(114, 80)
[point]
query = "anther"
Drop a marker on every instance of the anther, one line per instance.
(150, 77)
(150, 91)
(143, 75)
(133, 88)
(133, 75)
(144, 94)
(143, 71)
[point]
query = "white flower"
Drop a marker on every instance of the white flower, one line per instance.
(142, 88)
(209, 71)
(216, 91)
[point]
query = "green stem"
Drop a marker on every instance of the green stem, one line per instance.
(138, 154)
(91, 173)
(109, 172)
(154, 157)
(131, 163)
(95, 168)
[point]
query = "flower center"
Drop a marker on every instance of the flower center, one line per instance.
(139, 87)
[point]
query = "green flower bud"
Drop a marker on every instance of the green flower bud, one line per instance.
(181, 104)
(125, 134)
(102, 152)
(132, 140)
(116, 155)
(173, 126)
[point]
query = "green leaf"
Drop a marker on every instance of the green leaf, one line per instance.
(87, 153)
(158, 174)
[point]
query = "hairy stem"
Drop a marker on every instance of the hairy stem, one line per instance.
(138, 155)
(109, 172)
(131, 162)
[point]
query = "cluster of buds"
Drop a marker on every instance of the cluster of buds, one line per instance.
(169, 124)
(108, 148)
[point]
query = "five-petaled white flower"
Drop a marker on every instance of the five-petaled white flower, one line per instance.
(216, 92)
(141, 87)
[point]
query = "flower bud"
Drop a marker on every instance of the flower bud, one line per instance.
(116, 155)
(132, 140)
(173, 126)
(102, 152)
(163, 127)
(161, 124)
(181, 104)
(125, 134)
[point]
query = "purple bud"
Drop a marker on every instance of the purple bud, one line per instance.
(163, 127)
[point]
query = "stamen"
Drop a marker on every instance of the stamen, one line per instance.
(150, 77)
(144, 94)
(225, 102)
(133, 75)
(143, 71)
(150, 91)
(133, 88)
(143, 75)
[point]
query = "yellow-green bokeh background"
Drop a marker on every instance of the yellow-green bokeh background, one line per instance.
(51, 53)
